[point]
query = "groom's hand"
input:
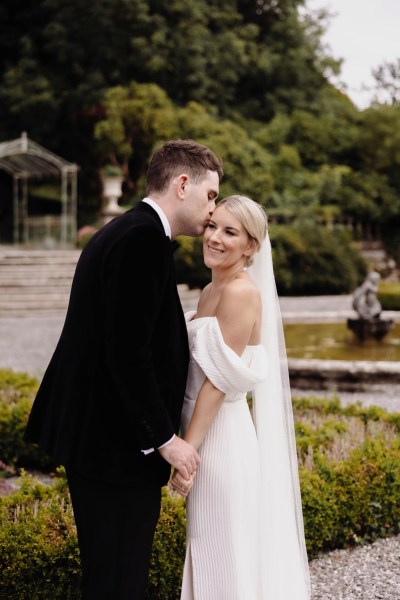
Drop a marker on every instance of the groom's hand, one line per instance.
(182, 456)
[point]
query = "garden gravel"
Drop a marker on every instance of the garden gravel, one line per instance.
(370, 572)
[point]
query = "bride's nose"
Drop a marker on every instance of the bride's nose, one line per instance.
(214, 235)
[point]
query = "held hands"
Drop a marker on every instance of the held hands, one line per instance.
(181, 485)
(182, 456)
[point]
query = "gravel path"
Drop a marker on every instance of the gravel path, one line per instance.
(370, 572)
(27, 343)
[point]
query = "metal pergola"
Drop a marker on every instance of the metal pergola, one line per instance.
(24, 159)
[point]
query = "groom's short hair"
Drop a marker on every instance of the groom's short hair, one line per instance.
(181, 156)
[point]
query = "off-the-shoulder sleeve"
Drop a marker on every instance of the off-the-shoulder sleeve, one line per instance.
(222, 366)
(189, 315)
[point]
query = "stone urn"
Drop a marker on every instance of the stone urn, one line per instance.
(112, 180)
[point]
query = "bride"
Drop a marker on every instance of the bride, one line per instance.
(245, 538)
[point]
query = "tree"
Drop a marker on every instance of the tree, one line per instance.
(312, 260)
(140, 116)
(136, 117)
(387, 82)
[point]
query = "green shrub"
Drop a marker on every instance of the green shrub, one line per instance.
(17, 392)
(350, 481)
(320, 512)
(39, 556)
(189, 263)
(344, 503)
(353, 501)
(389, 296)
(310, 260)
(169, 549)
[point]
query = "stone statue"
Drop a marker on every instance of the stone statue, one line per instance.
(365, 301)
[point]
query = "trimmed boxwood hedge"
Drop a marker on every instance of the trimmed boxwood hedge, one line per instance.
(39, 557)
(389, 296)
(352, 502)
(17, 391)
(350, 480)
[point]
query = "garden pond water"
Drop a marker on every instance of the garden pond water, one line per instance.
(334, 341)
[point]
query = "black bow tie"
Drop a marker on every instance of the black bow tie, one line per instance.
(174, 245)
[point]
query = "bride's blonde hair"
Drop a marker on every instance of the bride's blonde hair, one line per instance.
(249, 214)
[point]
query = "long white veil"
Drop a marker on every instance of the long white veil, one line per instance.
(284, 571)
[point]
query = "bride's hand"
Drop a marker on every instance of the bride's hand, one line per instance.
(180, 484)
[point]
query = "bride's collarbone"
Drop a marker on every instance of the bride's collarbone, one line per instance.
(207, 310)
(208, 302)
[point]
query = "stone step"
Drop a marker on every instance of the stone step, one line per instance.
(30, 278)
(39, 296)
(16, 268)
(50, 306)
(41, 286)
(38, 282)
(35, 282)
(36, 287)
(34, 304)
(31, 260)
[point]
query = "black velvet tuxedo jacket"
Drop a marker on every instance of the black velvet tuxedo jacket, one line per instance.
(115, 384)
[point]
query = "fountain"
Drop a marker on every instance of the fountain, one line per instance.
(337, 352)
(369, 324)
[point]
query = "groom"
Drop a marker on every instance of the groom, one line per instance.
(109, 405)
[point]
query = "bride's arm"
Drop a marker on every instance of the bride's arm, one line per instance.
(236, 314)
(206, 409)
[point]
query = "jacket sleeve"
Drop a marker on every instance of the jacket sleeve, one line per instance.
(136, 277)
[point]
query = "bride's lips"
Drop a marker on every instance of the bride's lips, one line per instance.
(214, 250)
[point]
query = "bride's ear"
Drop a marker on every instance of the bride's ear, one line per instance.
(250, 251)
(251, 248)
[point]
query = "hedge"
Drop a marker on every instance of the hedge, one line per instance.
(350, 481)
(38, 547)
(17, 391)
(347, 503)
(39, 557)
(355, 501)
(389, 296)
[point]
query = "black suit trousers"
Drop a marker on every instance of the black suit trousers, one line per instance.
(116, 526)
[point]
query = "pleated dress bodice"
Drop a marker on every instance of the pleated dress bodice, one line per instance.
(210, 357)
(222, 507)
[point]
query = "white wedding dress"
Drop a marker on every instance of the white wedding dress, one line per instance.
(222, 554)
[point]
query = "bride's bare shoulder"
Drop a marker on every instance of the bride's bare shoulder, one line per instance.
(240, 294)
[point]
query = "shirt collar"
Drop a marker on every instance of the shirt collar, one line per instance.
(161, 214)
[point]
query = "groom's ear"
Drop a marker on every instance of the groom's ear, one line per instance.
(181, 183)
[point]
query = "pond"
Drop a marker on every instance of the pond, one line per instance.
(334, 341)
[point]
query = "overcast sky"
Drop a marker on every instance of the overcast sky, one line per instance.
(365, 33)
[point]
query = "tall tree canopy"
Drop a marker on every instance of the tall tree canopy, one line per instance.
(106, 80)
